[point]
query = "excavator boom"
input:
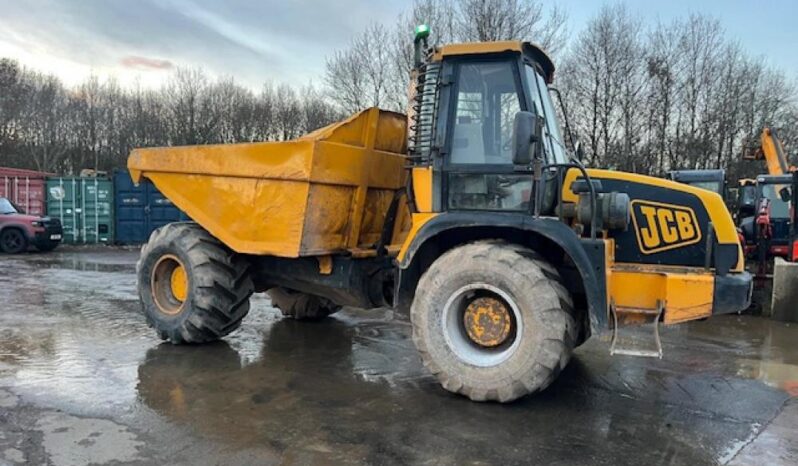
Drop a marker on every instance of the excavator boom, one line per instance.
(772, 151)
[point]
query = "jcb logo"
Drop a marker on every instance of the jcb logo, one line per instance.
(661, 227)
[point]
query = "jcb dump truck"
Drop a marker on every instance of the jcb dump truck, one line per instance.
(507, 253)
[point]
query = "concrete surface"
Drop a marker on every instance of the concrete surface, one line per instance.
(784, 302)
(84, 381)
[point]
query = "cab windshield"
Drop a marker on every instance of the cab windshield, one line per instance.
(6, 207)
(714, 186)
(778, 208)
(541, 98)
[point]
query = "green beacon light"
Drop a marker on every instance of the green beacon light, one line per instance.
(422, 31)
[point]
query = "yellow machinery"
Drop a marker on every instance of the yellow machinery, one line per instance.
(469, 213)
(771, 150)
(326, 192)
(764, 212)
(767, 220)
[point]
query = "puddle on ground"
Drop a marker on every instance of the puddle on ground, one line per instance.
(352, 389)
(776, 374)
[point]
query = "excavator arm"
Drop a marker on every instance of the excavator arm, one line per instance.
(771, 150)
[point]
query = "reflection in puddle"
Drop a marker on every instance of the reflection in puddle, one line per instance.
(352, 389)
(776, 374)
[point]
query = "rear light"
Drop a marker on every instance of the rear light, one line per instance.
(794, 252)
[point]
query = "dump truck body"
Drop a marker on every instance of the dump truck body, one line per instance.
(326, 192)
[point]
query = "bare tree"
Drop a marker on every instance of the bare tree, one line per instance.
(182, 95)
(492, 20)
(373, 69)
(360, 76)
(603, 81)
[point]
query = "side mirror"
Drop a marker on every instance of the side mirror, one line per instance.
(785, 194)
(527, 135)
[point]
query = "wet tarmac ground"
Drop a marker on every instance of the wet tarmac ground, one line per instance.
(83, 380)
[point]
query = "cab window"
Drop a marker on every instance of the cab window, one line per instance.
(487, 101)
(480, 172)
(778, 208)
(541, 99)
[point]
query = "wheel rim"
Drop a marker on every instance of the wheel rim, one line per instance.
(169, 285)
(487, 321)
(12, 240)
(482, 324)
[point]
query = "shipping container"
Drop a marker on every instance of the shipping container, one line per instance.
(140, 209)
(85, 208)
(25, 188)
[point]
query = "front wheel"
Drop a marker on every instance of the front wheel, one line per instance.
(13, 241)
(193, 289)
(492, 321)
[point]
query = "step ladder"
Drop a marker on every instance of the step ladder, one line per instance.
(621, 315)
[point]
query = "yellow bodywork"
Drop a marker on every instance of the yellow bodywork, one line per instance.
(325, 192)
(725, 230)
(687, 293)
(477, 48)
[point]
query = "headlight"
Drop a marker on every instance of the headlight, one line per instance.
(36, 223)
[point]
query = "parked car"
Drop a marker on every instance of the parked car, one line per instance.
(19, 231)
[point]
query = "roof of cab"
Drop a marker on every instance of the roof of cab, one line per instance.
(482, 48)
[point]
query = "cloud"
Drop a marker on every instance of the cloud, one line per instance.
(251, 40)
(144, 63)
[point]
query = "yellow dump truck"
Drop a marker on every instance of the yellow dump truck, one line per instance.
(469, 213)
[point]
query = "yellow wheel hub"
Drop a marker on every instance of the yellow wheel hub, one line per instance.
(487, 321)
(169, 284)
(179, 283)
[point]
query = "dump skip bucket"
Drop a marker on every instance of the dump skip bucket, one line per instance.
(325, 192)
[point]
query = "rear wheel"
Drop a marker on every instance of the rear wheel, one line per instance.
(192, 288)
(301, 306)
(493, 322)
(13, 241)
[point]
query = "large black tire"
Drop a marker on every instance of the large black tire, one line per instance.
(13, 241)
(542, 315)
(217, 291)
(301, 306)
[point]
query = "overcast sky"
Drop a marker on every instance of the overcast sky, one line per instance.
(286, 41)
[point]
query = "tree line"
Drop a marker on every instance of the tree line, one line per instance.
(679, 95)
(49, 127)
(641, 97)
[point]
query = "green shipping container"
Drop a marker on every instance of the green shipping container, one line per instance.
(85, 208)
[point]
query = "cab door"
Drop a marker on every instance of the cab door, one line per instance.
(478, 172)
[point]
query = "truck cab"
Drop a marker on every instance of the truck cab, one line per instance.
(473, 176)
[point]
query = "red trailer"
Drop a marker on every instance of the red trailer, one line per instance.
(25, 188)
